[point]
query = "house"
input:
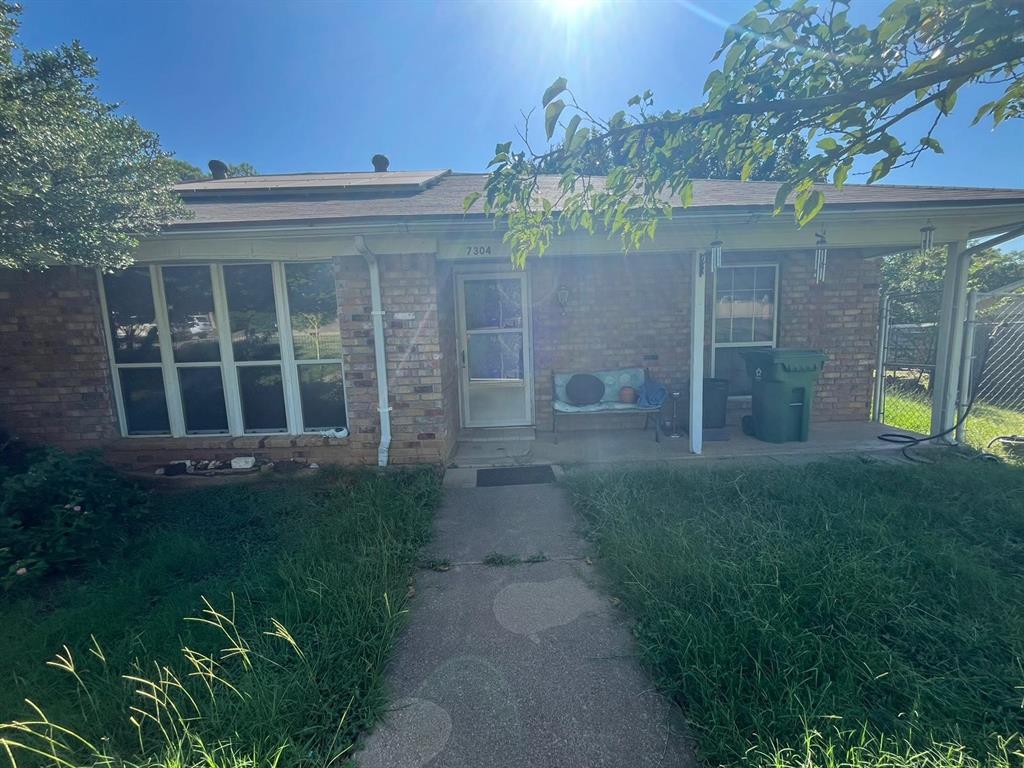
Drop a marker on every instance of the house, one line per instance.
(364, 318)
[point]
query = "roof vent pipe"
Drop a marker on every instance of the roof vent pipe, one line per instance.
(380, 163)
(218, 169)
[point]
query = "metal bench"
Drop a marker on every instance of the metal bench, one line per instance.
(614, 380)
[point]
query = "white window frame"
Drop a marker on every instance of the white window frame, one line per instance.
(716, 345)
(229, 367)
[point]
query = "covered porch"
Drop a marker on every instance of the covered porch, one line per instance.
(521, 447)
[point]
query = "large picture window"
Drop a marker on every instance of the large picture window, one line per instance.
(746, 298)
(233, 349)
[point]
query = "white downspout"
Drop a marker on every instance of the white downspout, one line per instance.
(379, 351)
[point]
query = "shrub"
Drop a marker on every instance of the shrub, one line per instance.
(58, 511)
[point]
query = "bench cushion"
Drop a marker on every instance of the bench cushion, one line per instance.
(602, 407)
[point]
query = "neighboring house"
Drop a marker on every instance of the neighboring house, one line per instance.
(255, 325)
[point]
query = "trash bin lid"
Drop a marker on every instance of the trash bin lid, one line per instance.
(796, 360)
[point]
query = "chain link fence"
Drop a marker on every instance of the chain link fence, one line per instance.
(908, 339)
(995, 369)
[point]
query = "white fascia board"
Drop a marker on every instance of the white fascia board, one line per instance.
(890, 227)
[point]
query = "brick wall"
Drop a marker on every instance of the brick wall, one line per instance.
(634, 310)
(623, 311)
(53, 359)
(840, 318)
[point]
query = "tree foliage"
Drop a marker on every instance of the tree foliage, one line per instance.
(787, 68)
(185, 171)
(79, 182)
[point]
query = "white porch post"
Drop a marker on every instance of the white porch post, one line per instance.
(949, 348)
(698, 283)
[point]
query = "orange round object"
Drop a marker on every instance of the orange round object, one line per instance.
(627, 395)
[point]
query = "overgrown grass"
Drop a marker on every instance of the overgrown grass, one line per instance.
(311, 577)
(839, 614)
(985, 422)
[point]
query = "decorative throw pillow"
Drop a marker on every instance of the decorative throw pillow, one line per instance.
(584, 389)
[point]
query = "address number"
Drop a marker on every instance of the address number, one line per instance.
(478, 250)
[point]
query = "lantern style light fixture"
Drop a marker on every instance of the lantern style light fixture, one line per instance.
(820, 257)
(562, 297)
(927, 236)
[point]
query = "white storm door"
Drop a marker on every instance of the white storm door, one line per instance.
(496, 382)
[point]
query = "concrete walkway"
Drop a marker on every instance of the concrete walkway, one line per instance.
(523, 665)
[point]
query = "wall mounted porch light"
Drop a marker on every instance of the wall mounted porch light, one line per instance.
(562, 297)
(820, 257)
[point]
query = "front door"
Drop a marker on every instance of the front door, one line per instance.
(496, 383)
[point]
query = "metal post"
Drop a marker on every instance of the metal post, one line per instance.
(950, 341)
(698, 287)
(878, 402)
(966, 364)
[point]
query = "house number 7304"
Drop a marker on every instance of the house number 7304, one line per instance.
(478, 250)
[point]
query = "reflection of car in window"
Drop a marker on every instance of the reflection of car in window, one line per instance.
(199, 325)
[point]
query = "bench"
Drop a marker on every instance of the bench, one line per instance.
(614, 381)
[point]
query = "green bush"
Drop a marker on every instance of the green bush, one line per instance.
(58, 511)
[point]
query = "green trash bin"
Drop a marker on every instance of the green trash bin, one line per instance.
(782, 392)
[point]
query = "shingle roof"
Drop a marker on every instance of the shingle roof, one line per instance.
(351, 197)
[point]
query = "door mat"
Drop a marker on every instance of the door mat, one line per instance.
(488, 478)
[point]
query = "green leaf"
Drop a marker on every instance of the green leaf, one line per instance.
(932, 144)
(839, 177)
(780, 196)
(556, 88)
(471, 198)
(634, 101)
(551, 114)
(570, 131)
(828, 144)
(808, 206)
(686, 194)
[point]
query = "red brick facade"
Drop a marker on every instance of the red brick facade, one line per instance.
(53, 359)
(630, 310)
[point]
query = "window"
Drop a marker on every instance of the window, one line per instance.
(234, 349)
(746, 297)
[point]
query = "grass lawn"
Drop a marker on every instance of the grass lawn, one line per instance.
(328, 558)
(985, 421)
(839, 614)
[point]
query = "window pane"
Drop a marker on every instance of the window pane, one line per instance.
(132, 317)
(496, 356)
(145, 408)
(202, 395)
(313, 305)
(322, 391)
(189, 295)
(493, 304)
(262, 398)
(743, 278)
(250, 289)
(765, 279)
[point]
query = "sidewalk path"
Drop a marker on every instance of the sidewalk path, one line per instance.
(523, 665)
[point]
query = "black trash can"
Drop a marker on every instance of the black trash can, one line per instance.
(716, 400)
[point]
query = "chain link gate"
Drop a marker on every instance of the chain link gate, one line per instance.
(905, 364)
(992, 372)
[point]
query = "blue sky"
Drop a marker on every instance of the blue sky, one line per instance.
(312, 86)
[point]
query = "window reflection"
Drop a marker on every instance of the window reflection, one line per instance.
(322, 391)
(313, 305)
(493, 304)
(145, 408)
(133, 328)
(189, 294)
(262, 393)
(253, 317)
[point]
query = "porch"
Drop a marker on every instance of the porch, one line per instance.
(517, 447)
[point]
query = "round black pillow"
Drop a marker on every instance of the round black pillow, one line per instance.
(584, 389)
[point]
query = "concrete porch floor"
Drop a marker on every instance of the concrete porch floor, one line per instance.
(638, 446)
